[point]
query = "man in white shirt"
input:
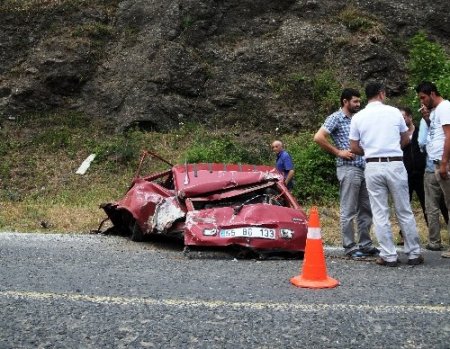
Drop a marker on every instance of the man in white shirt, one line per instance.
(354, 198)
(438, 142)
(434, 197)
(379, 132)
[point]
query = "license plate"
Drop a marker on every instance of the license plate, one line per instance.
(248, 232)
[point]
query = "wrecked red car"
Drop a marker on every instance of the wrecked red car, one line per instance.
(213, 205)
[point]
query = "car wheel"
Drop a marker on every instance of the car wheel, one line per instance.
(136, 232)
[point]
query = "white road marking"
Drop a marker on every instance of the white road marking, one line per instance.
(213, 304)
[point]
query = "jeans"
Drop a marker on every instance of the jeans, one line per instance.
(354, 206)
(384, 178)
(434, 202)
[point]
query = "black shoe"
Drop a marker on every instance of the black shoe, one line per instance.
(381, 261)
(355, 255)
(370, 251)
(416, 261)
(433, 247)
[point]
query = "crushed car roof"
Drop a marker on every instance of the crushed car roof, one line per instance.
(197, 179)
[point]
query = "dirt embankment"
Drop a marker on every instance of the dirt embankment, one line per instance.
(238, 62)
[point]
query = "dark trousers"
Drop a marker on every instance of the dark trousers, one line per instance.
(415, 184)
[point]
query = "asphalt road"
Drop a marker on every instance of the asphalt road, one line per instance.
(92, 291)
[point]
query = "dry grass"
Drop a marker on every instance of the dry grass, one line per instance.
(81, 217)
(39, 190)
(329, 218)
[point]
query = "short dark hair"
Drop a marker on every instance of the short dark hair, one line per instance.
(407, 110)
(427, 87)
(374, 88)
(348, 93)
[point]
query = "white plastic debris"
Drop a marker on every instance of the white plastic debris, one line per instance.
(85, 165)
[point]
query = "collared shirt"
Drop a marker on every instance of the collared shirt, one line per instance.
(422, 140)
(337, 126)
(284, 165)
(423, 134)
(378, 127)
(435, 143)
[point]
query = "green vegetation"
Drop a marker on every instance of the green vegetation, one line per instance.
(326, 92)
(220, 149)
(427, 61)
(315, 170)
(39, 190)
(357, 20)
(187, 22)
(41, 153)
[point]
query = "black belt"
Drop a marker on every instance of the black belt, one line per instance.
(437, 162)
(385, 159)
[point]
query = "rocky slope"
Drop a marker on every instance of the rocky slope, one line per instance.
(159, 63)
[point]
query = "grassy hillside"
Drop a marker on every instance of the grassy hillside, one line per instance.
(40, 154)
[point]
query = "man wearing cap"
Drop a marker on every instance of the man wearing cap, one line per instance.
(379, 132)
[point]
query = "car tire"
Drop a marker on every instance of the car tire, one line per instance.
(136, 232)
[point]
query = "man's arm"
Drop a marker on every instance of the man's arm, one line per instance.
(404, 139)
(423, 134)
(446, 154)
(322, 139)
(355, 147)
(289, 176)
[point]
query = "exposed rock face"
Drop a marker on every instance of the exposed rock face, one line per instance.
(157, 63)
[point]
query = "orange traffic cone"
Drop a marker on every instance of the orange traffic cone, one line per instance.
(314, 272)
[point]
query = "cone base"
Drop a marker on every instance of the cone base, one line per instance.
(299, 281)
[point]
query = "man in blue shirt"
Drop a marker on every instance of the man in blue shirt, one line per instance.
(284, 164)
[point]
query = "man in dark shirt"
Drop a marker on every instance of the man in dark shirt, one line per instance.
(415, 162)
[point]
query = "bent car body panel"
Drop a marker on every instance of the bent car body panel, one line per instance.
(197, 179)
(258, 215)
(141, 201)
(192, 198)
(167, 212)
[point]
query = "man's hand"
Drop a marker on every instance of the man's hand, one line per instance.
(345, 154)
(443, 170)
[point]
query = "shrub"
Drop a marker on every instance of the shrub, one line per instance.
(356, 20)
(315, 170)
(123, 149)
(326, 92)
(427, 61)
(219, 148)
